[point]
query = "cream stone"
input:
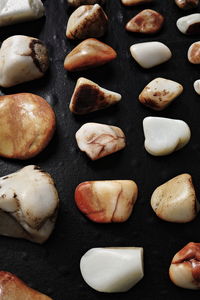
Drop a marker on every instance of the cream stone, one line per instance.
(87, 21)
(12, 288)
(89, 96)
(184, 270)
(175, 200)
(106, 201)
(164, 136)
(99, 140)
(189, 24)
(17, 11)
(197, 86)
(159, 93)
(22, 59)
(28, 204)
(112, 270)
(150, 54)
(89, 54)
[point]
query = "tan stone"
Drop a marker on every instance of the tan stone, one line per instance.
(87, 21)
(76, 3)
(194, 53)
(147, 21)
(175, 200)
(184, 270)
(89, 54)
(187, 4)
(12, 288)
(135, 2)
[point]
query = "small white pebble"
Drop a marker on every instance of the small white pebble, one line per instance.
(197, 86)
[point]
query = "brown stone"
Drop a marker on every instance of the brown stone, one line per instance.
(187, 4)
(135, 2)
(89, 54)
(106, 201)
(194, 53)
(87, 21)
(147, 21)
(76, 3)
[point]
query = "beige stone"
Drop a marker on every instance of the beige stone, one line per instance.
(175, 200)
(194, 53)
(76, 3)
(187, 4)
(135, 2)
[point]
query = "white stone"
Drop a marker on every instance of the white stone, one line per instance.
(16, 11)
(150, 54)
(159, 93)
(99, 140)
(197, 86)
(112, 270)
(28, 204)
(188, 24)
(164, 136)
(22, 59)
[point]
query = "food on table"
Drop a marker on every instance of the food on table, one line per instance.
(189, 24)
(159, 93)
(147, 21)
(28, 204)
(164, 136)
(76, 3)
(135, 2)
(175, 200)
(12, 288)
(112, 270)
(194, 53)
(99, 140)
(89, 96)
(150, 54)
(87, 21)
(184, 268)
(106, 201)
(22, 59)
(16, 11)
(27, 124)
(197, 86)
(89, 54)
(187, 4)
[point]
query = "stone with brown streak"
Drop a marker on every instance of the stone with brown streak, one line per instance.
(76, 3)
(99, 140)
(27, 124)
(106, 201)
(184, 270)
(12, 288)
(87, 21)
(159, 93)
(187, 4)
(189, 24)
(194, 53)
(147, 21)
(135, 2)
(89, 54)
(175, 200)
(89, 96)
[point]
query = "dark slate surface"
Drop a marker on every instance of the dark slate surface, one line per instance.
(53, 268)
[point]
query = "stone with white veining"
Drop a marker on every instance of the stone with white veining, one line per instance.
(87, 21)
(164, 136)
(159, 93)
(99, 140)
(176, 201)
(189, 24)
(89, 96)
(106, 201)
(22, 59)
(150, 54)
(112, 270)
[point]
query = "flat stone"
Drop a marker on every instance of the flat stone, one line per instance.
(159, 93)
(89, 54)
(147, 21)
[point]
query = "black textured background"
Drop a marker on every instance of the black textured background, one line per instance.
(53, 268)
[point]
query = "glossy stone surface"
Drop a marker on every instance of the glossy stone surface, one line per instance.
(187, 4)
(89, 54)
(194, 53)
(147, 21)
(135, 2)
(189, 24)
